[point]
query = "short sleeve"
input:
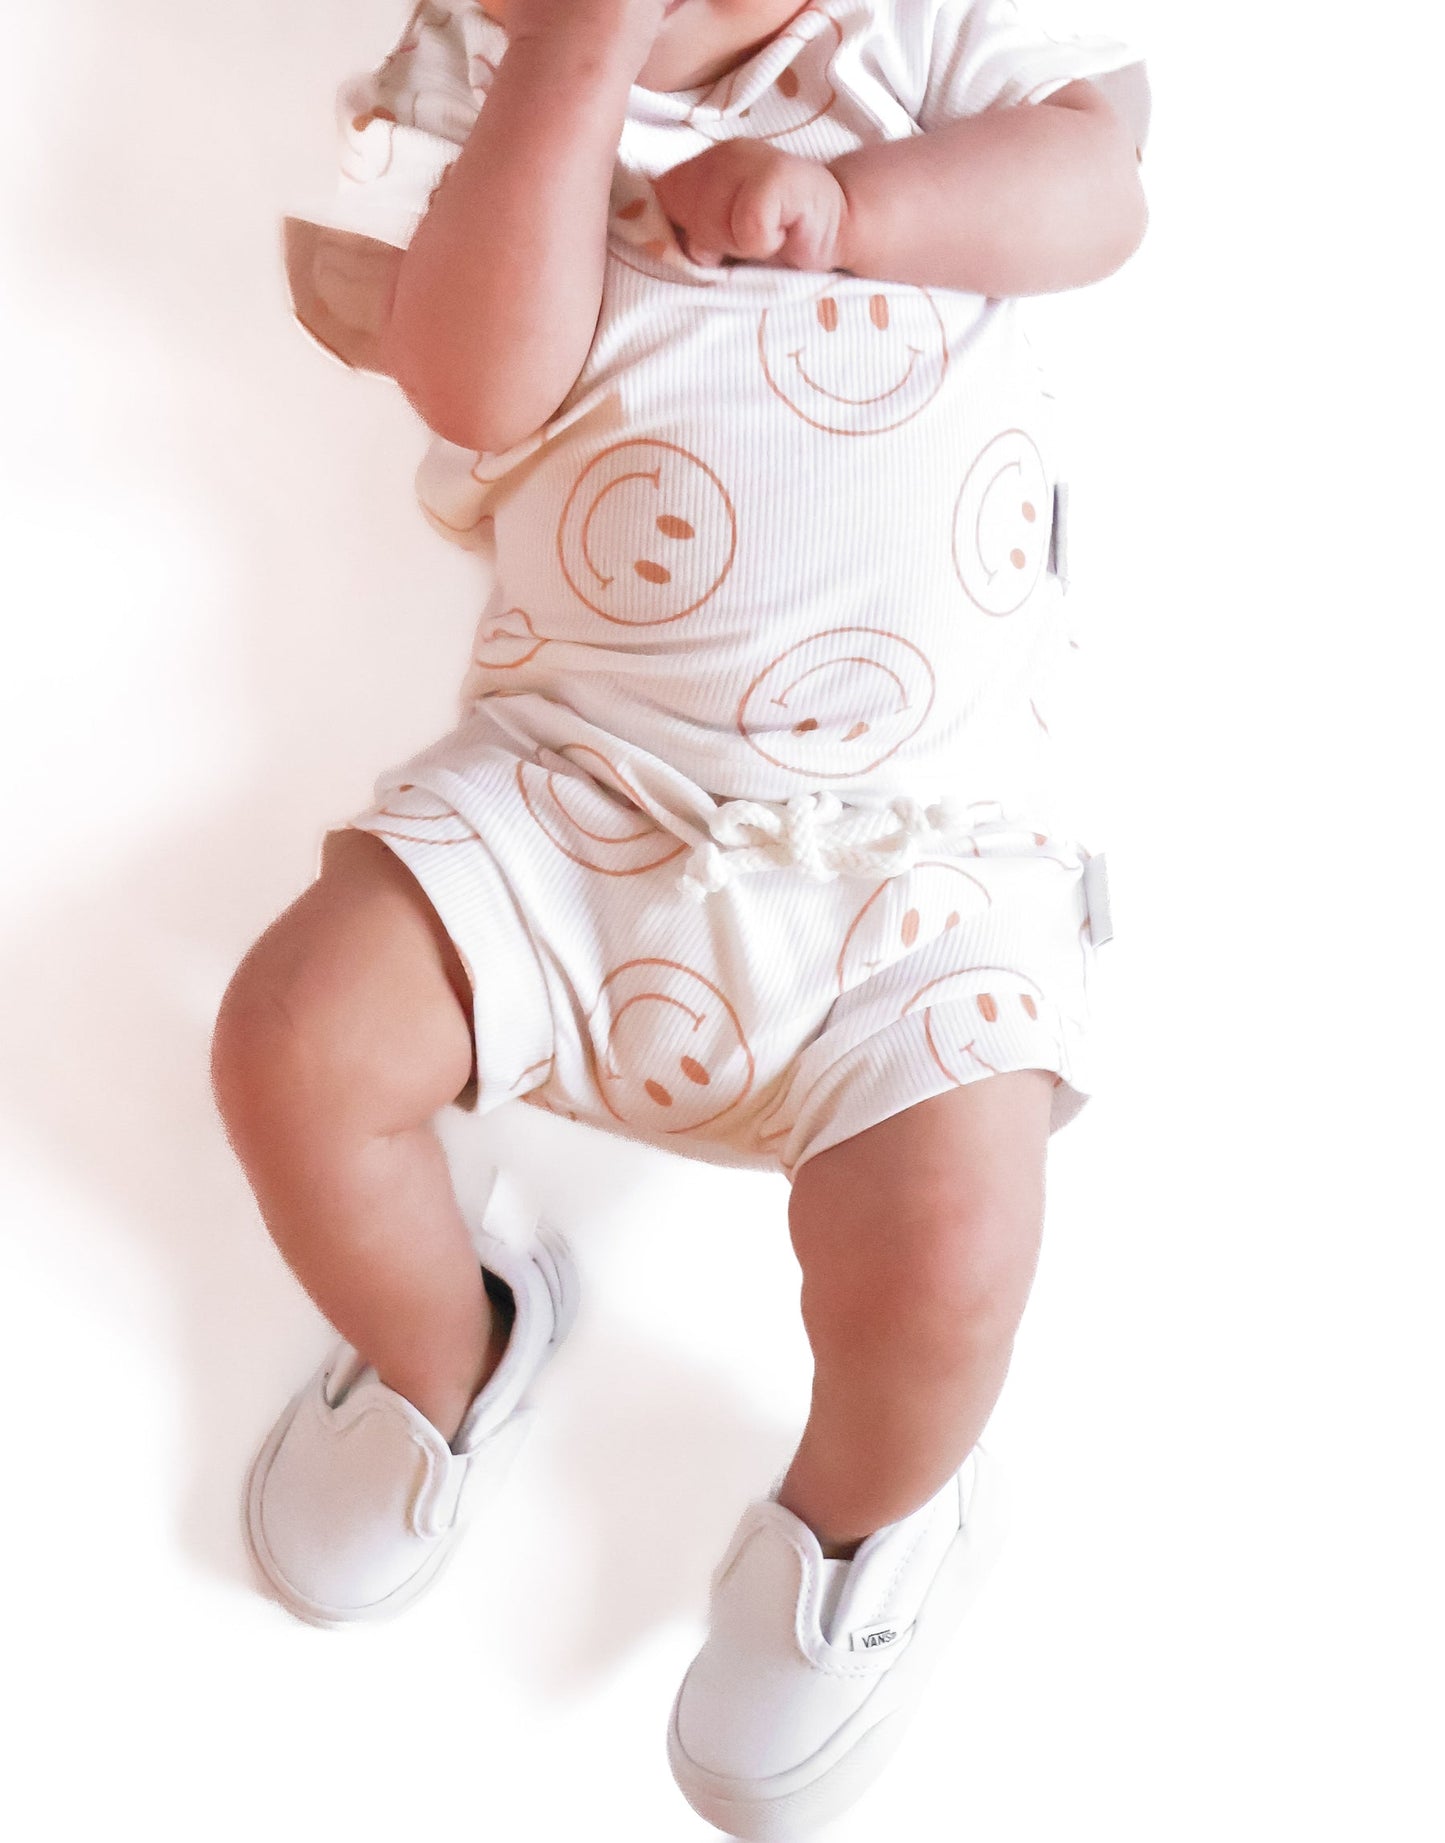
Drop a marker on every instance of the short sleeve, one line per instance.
(973, 55)
(399, 127)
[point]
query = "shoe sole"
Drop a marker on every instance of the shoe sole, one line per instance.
(786, 1805)
(549, 1243)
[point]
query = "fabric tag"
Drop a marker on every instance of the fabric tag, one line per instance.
(1096, 895)
(1059, 541)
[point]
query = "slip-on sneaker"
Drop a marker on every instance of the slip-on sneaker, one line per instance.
(812, 1668)
(355, 1501)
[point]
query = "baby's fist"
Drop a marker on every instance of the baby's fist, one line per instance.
(748, 200)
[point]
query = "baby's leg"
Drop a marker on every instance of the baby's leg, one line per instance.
(918, 1240)
(344, 1029)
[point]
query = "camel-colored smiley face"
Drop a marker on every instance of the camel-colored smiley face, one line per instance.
(855, 363)
(976, 1018)
(796, 98)
(647, 534)
(837, 703)
(502, 644)
(637, 222)
(587, 822)
(1002, 524)
(504, 641)
(668, 1049)
(905, 913)
(412, 813)
(367, 145)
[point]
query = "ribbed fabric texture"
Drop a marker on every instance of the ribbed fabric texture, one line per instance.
(790, 535)
(779, 1017)
(789, 531)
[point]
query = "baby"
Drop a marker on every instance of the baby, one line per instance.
(753, 840)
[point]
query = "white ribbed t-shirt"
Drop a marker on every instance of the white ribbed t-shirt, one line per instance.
(789, 531)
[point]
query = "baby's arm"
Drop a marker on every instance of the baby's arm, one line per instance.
(497, 296)
(1029, 199)
(1024, 200)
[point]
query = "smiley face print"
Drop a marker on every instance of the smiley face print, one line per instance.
(855, 362)
(637, 222)
(1002, 523)
(976, 1018)
(837, 703)
(648, 533)
(589, 822)
(668, 1050)
(504, 641)
(905, 913)
(367, 145)
(412, 813)
(798, 96)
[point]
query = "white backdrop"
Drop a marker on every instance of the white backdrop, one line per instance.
(1220, 1609)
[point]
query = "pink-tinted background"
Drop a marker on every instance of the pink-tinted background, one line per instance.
(224, 615)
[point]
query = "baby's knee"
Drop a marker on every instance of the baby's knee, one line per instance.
(941, 1266)
(343, 1004)
(272, 1034)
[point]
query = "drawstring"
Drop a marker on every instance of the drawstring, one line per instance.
(822, 837)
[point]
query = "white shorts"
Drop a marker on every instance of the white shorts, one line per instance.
(777, 1017)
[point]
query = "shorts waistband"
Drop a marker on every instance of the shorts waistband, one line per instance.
(824, 838)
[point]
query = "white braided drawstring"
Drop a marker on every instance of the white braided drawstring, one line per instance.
(822, 837)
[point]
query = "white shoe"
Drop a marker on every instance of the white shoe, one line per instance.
(355, 1502)
(812, 1668)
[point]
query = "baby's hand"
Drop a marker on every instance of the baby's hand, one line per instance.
(746, 199)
